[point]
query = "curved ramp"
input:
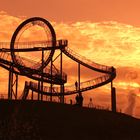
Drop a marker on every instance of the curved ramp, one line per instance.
(69, 90)
(110, 74)
(6, 62)
(86, 62)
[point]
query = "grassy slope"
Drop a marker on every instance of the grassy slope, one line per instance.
(46, 121)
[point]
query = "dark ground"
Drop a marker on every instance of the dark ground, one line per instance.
(35, 120)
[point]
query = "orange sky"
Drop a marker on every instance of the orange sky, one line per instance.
(124, 11)
(108, 30)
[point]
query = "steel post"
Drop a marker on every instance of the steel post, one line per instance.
(51, 79)
(16, 92)
(113, 98)
(79, 76)
(10, 83)
(42, 74)
(61, 70)
(38, 90)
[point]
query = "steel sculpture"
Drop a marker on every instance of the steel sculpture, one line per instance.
(44, 71)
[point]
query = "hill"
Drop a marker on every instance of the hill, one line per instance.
(36, 120)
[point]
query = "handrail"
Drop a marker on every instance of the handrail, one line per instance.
(110, 74)
(86, 62)
(33, 44)
(5, 57)
(69, 90)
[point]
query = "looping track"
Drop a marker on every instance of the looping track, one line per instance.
(14, 63)
(24, 26)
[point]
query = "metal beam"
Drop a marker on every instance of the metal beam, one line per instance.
(51, 86)
(38, 90)
(29, 49)
(113, 98)
(10, 83)
(16, 92)
(61, 71)
(79, 76)
(42, 74)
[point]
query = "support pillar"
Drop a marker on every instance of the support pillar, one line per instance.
(38, 90)
(51, 86)
(42, 74)
(61, 71)
(16, 92)
(113, 98)
(10, 84)
(32, 95)
(79, 76)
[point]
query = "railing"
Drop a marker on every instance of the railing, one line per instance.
(4, 45)
(47, 70)
(5, 56)
(33, 44)
(55, 72)
(3, 96)
(90, 84)
(87, 61)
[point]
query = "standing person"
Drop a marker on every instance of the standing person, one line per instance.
(71, 101)
(80, 99)
(77, 100)
(76, 85)
(90, 105)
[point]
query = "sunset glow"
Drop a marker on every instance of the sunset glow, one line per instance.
(107, 42)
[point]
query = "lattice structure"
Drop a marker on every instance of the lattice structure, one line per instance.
(44, 71)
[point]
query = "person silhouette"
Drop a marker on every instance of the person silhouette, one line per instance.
(71, 101)
(77, 99)
(90, 105)
(80, 99)
(76, 85)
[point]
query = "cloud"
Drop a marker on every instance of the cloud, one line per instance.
(106, 43)
(7, 26)
(109, 43)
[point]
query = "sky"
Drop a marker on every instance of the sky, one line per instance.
(124, 11)
(105, 31)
